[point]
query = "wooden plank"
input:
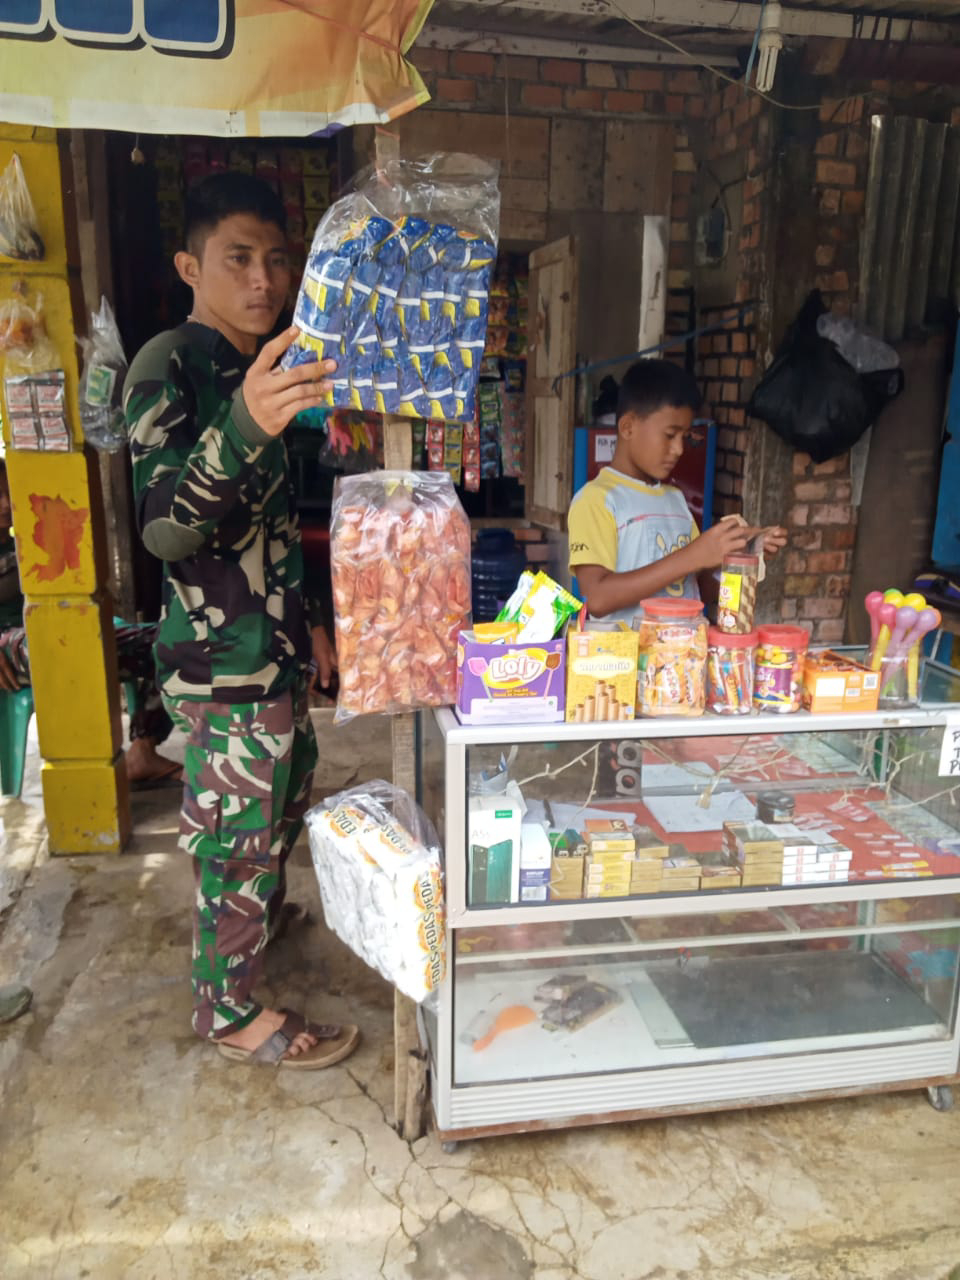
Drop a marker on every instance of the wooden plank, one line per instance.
(727, 17)
(552, 351)
(397, 447)
(638, 167)
(576, 163)
(520, 143)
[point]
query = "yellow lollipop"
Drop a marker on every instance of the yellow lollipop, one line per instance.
(893, 596)
(915, 600)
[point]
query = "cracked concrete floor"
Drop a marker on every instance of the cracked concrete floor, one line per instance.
(130, 1150)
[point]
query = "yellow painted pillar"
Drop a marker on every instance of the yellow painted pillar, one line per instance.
(59, 527)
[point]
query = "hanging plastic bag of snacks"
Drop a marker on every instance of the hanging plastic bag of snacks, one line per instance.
(19, 236)
(400, 559)
(396, 287)
(101, 387)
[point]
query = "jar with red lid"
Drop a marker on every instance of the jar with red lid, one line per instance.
(737, 601)
(673, 655)
(778, 676)
(730, 668)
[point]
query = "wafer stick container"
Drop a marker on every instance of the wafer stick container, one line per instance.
(672, 660)
(601, 675)
(739, 576)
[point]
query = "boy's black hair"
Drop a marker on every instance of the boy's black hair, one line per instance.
(650, 385)
(221, 195)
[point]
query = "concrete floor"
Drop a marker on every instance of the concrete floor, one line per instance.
(131, 1150)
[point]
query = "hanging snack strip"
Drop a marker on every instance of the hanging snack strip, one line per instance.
(396, 287)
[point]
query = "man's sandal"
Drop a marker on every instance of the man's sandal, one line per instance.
(334, 1043)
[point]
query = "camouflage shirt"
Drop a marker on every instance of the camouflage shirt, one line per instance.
(214, 501)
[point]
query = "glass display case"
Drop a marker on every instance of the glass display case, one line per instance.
(670, 916)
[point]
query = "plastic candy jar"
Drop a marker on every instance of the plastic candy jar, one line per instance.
(730, 660)
(778, 678)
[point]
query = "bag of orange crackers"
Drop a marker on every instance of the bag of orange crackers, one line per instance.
(400, 561)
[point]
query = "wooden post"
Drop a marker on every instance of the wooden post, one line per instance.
(61, 550)
(410, 1088)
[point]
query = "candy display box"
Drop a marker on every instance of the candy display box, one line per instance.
(510, 683)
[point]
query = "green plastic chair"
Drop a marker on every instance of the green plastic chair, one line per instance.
(15, 712)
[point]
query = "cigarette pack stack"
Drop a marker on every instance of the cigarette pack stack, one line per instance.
(610, 851)
(812, 857)
(646, 870)
(757, 850)
(681, 872)
(718, 872)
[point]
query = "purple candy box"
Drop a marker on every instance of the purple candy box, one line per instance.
(510, 683)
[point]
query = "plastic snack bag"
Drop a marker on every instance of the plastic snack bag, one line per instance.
(400, 560)
(378, 864)
(402, 263)
(19, 237)
(23, 335)
(101, 387)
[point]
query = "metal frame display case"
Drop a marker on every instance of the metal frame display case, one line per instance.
(585, 1010)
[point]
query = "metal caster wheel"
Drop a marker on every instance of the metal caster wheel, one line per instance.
(448, 1148)
(941, 1097)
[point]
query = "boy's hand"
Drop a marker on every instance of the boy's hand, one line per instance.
(774, 540)
(726, 538)
(274, 397)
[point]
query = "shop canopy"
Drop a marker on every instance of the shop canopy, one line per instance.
(226, 68)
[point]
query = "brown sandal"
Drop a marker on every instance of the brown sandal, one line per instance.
(334, 1043)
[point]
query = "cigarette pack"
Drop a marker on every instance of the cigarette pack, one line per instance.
(566, 868)
(720, 876)
(649, 845)
(752, 842)
(833, 682)
(646, 875)
(536, 858)
(601, 675)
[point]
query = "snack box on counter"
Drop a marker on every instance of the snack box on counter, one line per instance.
(833, 682)
(512, 683)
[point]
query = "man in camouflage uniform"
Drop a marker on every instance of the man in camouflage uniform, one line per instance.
(206, 415)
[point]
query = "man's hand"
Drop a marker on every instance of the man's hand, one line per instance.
(8, 677)
(274, 397)
(324, 655)
(728, 537)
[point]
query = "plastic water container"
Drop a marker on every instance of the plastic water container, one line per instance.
(496, 564)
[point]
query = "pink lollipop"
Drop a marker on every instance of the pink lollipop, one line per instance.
(925, 621)
(872, 603)
(478, 667)
(906, 618)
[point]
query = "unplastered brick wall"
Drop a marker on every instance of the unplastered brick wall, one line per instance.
(821, 519)
(739, 132)
(727, 367)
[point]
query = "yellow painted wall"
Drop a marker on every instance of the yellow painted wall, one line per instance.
(58, 522)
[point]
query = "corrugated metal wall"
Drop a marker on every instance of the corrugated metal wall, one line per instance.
(910, 250)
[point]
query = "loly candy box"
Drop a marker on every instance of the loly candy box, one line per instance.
(509, 683)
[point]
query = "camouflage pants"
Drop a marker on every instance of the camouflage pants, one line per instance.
(135, 663)
(247, 775)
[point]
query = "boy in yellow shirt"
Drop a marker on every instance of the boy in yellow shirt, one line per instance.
(631, 534)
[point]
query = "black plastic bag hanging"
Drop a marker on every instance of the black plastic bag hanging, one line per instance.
(812, 398)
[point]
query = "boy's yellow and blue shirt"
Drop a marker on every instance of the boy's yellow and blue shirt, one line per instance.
(622, 524)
